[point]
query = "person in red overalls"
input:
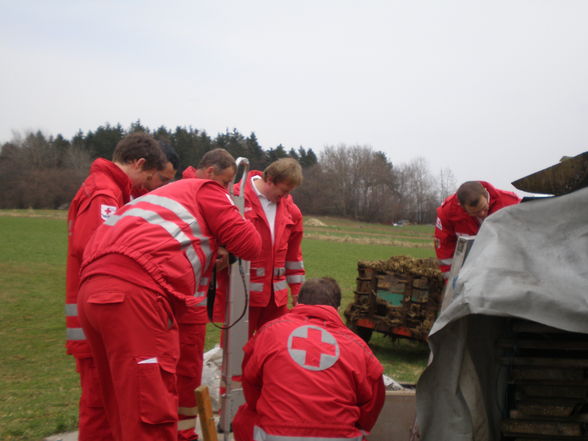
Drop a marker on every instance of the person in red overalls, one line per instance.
(307, 376)
(218, 165)
(269, 206)
(136, 159)
(462, 214)
(146, 265)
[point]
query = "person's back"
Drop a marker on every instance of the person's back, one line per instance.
(306, 375)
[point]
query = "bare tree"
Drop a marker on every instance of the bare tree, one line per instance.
(446, 183)
(350, 181)
(417, 187)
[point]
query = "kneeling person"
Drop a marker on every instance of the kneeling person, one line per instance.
(306, 375)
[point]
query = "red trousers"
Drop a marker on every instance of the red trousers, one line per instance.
(260, 315)
(134, 340)
(93, 424)
(243, 423)
(189, 376)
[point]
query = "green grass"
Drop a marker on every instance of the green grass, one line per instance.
(38, 381)
(38, 384)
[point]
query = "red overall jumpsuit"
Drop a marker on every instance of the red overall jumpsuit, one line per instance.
(147, 265)
(307, 376)
(105, 190)
(453, 221)
(279, 266)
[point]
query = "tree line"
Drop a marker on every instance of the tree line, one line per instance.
(355, 182)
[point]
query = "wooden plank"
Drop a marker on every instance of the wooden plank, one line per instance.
(528, 427)
(207, 422)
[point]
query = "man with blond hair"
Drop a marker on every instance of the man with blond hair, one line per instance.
(279, 268)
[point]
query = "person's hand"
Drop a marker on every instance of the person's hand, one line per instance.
(222, 259)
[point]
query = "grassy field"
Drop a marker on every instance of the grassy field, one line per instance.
(38, 383)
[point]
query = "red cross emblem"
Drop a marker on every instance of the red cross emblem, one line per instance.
(313, 347)
(106, 211)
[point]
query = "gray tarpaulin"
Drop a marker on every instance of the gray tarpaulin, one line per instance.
(528, 261)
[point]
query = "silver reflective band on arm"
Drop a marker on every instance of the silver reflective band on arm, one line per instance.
(71, 310)
(75, 334)
(183, 213)
(294, 264)
(295, 279)
(260, 435)
(445, 261)
(173, 229)
(259, 272)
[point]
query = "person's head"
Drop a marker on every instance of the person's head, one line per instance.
(474, 199)
(140, 157)
(218, 165)
(280, 178)
(162, 177)
(323, 291)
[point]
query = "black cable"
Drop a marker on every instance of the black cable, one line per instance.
(242, 273)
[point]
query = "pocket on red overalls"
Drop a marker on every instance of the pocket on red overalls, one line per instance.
(157, 392)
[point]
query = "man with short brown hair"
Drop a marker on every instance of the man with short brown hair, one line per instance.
(136, 158)
(217, 164)
(462, 213)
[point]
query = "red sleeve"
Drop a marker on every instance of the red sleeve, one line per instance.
(294, 262)
(370, 411)
(88, 219)
(445, 241)
(224, 221)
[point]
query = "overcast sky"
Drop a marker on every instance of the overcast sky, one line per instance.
(492, 90)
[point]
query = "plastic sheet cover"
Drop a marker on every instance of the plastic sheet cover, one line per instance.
(528, 261)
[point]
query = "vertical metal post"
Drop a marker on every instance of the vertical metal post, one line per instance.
(235, 337)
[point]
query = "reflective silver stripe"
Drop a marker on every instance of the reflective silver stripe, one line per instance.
(259, 272)
(279, 272)
(203, 301)
(172, 228)
(183, 213)
(256, 287)
(445, 261)
(260, 435)
(280, 285)
(295, 279)
(294, 264)
(204, 281)
(75, 334)
(71, 310)
(187, 424)
(188, 411)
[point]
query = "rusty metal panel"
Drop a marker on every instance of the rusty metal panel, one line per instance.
(569, 175)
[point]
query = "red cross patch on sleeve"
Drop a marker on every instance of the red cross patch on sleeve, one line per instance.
(106, 211)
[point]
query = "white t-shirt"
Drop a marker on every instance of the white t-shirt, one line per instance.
(269, 207)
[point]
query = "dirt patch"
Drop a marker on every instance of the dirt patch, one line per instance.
(368, 240)
(32, 213)
(314, 222)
